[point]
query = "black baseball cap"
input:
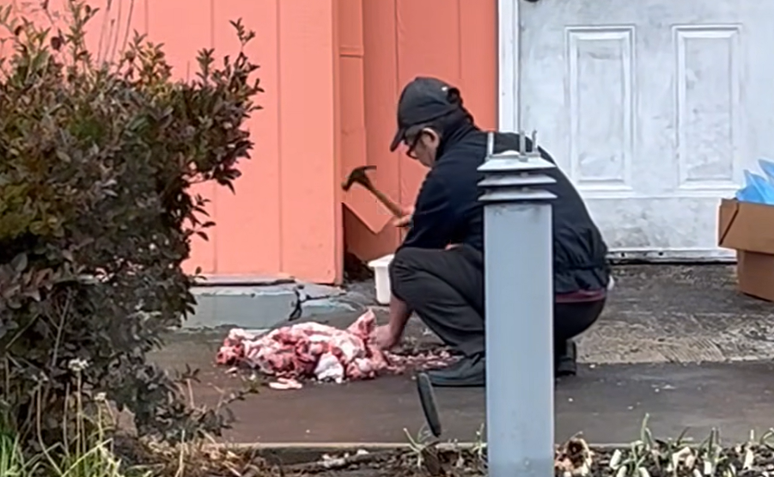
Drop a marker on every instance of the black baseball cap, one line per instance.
(424, 100)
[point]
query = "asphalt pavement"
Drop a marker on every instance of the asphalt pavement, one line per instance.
(677, 343)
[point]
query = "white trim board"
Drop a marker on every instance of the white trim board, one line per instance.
(508, 66)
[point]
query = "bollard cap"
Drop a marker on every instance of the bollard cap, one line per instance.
(520, 161)
(515, 176)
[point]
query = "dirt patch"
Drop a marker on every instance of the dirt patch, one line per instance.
(593, 463)
(575, 458)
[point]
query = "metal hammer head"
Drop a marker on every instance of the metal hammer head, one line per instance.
(358, 175)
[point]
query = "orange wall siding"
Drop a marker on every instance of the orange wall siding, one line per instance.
(286, 216)
(453, 39)
(367, 233)
(332, 71)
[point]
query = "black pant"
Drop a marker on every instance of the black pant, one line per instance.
(445, 288)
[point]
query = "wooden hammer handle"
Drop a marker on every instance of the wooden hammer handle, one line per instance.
(396, 210)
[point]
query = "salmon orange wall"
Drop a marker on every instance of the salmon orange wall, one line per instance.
(384, 44)
(332, 71)
(285, 217)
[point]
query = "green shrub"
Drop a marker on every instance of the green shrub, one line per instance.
(96, 216)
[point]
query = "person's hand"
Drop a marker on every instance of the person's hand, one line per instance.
(405, 219)
(384, 338)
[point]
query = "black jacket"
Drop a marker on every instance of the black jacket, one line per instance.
(447, 210)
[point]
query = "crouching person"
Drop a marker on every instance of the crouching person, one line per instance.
(438, 271)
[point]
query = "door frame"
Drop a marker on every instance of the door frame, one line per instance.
(509, 65)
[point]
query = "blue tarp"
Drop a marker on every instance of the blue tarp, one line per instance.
(758, 188)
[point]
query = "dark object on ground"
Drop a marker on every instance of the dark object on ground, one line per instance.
(567, 362)
(468, 372)
(355, 270)
(429, 406)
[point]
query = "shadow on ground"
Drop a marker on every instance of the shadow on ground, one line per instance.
(675, 342)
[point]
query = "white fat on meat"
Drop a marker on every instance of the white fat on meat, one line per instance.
(329, 368)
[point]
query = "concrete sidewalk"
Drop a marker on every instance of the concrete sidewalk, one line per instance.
(677, 342)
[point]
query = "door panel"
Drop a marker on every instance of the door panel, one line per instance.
(653, 107)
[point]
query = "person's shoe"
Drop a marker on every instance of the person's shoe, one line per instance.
(566, 363)
(470, 371)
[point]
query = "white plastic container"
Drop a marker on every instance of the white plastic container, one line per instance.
(382, 278)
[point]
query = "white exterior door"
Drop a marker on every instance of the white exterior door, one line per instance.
(653, 107)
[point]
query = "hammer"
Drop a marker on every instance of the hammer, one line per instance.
(359, 176)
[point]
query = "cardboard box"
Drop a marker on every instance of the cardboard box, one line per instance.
(749, 229)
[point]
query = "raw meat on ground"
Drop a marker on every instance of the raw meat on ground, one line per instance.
(313, 350)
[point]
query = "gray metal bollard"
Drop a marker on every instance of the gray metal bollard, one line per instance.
(519, 312)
